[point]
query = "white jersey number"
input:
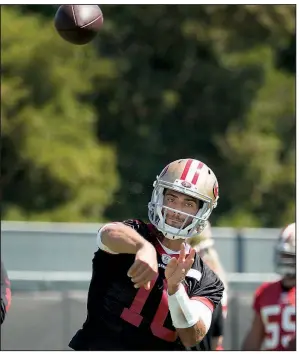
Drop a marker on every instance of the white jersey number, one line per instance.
(274, 327)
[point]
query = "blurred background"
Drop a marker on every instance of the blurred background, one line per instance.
(85, 131)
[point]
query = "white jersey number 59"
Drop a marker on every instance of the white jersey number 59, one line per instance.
(274, 328)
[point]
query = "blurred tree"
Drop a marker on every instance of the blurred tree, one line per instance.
(201, 81)
(47, 11)
(53, 167)
(286, 56)
(262, 148)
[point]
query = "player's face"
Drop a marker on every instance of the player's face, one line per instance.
(289, 279)
(179, 202)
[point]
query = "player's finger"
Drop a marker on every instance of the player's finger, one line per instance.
(182, 254)
(147, 286)
(143, 277)
(133, 268)
(179, 272)
(141, 268)
(137, 266)
(189, 260)
(188, 263)
(178, 276)
(193, 252)
(191, 255)
(172, 265)
(183, 274)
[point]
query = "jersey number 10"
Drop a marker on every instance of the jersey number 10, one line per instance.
(132, 314)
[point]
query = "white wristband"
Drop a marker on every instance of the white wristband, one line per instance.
(181, 309)
(186, 313)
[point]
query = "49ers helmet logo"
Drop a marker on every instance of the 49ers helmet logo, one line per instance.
(186, 184)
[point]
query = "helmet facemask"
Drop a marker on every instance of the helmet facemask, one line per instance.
(158, 212)
(285, 263)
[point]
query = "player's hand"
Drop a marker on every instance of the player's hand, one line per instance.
(145, 267)
(177, 269)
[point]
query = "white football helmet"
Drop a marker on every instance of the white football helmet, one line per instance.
(285, 251)
(190, 177)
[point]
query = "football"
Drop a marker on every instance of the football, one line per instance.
(78, 24)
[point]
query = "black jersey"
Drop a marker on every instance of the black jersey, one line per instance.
(120, 317)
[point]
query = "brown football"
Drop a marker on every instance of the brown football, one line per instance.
(78, 24)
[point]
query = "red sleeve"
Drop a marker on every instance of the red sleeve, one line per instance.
(205, 301)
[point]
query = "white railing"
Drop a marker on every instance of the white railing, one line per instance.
(91, 228)
(60, 276)
(30, 246)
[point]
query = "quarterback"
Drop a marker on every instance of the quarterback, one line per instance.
(149, 289)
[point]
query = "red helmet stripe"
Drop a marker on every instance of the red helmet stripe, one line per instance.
(191, 171)
(186, 169)
(195, 178)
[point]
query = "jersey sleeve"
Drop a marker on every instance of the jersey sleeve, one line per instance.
(209, 288)
(5, 292)
(142, 228)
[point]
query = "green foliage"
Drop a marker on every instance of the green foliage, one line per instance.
(53, 167)
(201, 81)
(262, 147)
(161, 82)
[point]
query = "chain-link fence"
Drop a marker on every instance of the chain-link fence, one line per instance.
(47, 320)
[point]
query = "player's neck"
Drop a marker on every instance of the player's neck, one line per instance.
(174, 245)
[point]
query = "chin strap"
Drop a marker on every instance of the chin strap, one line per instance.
(173, 237)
